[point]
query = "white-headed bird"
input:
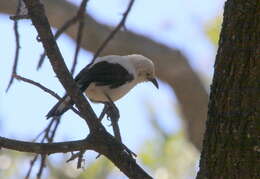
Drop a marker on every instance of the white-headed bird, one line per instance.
(108, 79)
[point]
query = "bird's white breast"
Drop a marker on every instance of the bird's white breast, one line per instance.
(97, 93)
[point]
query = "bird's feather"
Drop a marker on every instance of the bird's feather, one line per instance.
(102, 73)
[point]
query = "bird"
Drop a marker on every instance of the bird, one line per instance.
(108, 79)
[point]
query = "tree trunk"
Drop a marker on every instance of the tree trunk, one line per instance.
(231, 144)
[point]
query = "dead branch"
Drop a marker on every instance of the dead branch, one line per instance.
(80, 15)
(17, 43)
(47, 90)
(102, 142)
(31, 166)
(62, 29)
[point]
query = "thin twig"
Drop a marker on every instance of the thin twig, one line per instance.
(64, 27)
(54, 129)
(49, 137)
(80, 15)
(79, 38)
(80, 160)
(47, 129)
(47, 90)
(112, 34)
(47, 132)
(73, 156)
(31, 166)
(42, 166)
(36, 156)
(40, 134)
(78, 155)
(17, 43)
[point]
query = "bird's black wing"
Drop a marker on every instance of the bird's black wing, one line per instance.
(104, 74)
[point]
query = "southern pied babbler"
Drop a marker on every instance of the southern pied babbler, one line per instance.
(108, 79)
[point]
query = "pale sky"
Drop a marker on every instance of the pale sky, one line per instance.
(175, 23)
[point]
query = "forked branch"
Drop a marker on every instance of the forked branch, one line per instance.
(99, 139)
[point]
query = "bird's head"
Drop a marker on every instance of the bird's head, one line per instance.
(144, 69)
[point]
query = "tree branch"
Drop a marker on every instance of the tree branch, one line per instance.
(113, 33)
(98, 139)
(81, 25)
(40, 21)
(17, 43)
(47, 90)
(171, 65)
(43, 148)
(62, 29)
(102, 142)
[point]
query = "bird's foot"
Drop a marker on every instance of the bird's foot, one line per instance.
(112, 112)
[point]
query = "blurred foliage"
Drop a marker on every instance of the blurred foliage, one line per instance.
(169, 155)
(166, 156)
(16, 165)
(212, 29)
(100, 168)
(11, 163)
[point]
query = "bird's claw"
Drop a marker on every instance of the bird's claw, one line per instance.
(113, 113)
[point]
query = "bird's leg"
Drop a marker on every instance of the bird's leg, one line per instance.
(104, 111)
(113, 114)
(112, 111)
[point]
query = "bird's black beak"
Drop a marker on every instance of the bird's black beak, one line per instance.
(155, 83)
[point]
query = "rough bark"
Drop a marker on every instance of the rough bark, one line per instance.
(171, 66)
(231, 145)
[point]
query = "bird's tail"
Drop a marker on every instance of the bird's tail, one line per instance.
(60, 107)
